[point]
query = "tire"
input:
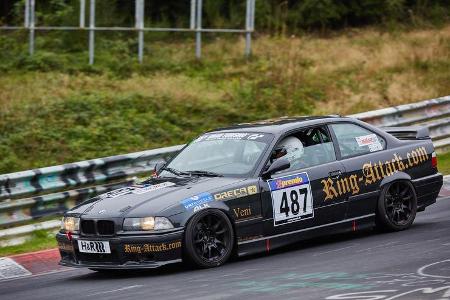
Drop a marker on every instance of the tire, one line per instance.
(397, 206)
(208, 239)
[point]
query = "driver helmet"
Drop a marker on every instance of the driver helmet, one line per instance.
(290, 148)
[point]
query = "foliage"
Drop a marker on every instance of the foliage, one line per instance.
(54, 108)
(444, 163)
(272, 16)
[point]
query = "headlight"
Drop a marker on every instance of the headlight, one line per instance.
(146, 224)
(71, 224)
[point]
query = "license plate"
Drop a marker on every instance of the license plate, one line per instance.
(93, 246)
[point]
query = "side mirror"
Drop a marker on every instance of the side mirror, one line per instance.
(278, 165)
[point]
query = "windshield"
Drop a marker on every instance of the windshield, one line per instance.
(230, 153)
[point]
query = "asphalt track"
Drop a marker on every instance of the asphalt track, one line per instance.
(413, 264)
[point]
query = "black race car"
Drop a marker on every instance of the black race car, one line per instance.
(255, 187)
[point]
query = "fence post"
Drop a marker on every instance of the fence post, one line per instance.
(26, 17)
(249, 26)
(198, 34)
(32, 21)
(82, 13)
(91, 32)
(140, 26)
(192, 16)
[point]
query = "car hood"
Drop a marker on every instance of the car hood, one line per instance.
(157, 197)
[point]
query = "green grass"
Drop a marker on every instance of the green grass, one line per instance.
(444, 163)
(39, 240)
(54, 108)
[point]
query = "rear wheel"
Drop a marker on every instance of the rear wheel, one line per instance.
(209, 239)
(397, 206)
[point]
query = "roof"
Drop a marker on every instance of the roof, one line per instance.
(279, 125)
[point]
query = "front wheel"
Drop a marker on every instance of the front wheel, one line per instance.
(397, 206)
(209, 239)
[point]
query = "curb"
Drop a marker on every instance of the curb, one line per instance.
(28, 264)
(39, 261)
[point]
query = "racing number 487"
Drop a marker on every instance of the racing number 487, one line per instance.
(293, 204)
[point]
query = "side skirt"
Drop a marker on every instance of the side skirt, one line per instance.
(266, 244)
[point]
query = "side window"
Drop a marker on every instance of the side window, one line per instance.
(355, 140)
(307, 148)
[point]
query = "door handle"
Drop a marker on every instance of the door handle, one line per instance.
(335, 174)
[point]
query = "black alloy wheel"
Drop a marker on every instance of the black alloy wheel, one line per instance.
(209, 239)
(397, 206)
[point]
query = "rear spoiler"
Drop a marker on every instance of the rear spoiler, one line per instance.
(409, 132)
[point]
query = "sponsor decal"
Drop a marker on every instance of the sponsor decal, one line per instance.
(249, 238)
(93, 246)
(152, 187)
(236, 193)
(201, 206)
(115, 193)
(372, 172)
(65, 246)
(289, 181)
(291, 198)
(197, 200)
(136, 189)
(371, 141)
(366, 140)
(229, 136)
(151, 248)
(242, 212)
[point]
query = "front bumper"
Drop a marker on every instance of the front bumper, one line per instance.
(127, 252)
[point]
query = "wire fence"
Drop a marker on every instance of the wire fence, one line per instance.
(195, 26)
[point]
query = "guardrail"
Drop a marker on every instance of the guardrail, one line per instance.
(50, 191)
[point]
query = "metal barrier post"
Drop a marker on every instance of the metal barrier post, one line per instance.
(140, 27)
(192, 16)
(82, 13)
(252, 16)
(32, 20)
(198, 35)
(91, 32)
(249, 26)
(26, 17)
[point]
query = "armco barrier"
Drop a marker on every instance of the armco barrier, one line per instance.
(50, 191)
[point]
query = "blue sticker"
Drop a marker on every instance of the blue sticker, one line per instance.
(196, 200)
(288, 181)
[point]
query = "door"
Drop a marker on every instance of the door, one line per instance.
(358, 147)
(302, 196)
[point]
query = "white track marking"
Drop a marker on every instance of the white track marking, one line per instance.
(116, 290)
(421, 270)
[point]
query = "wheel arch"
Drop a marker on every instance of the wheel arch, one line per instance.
(398, 176)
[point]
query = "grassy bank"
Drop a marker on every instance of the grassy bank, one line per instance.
(444, 163)
(39, 240)
(56, 109)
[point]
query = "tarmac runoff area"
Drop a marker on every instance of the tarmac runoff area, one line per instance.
(412, 264)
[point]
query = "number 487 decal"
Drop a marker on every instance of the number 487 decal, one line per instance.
(291, 198)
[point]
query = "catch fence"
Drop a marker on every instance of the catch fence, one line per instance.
(195, 26)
